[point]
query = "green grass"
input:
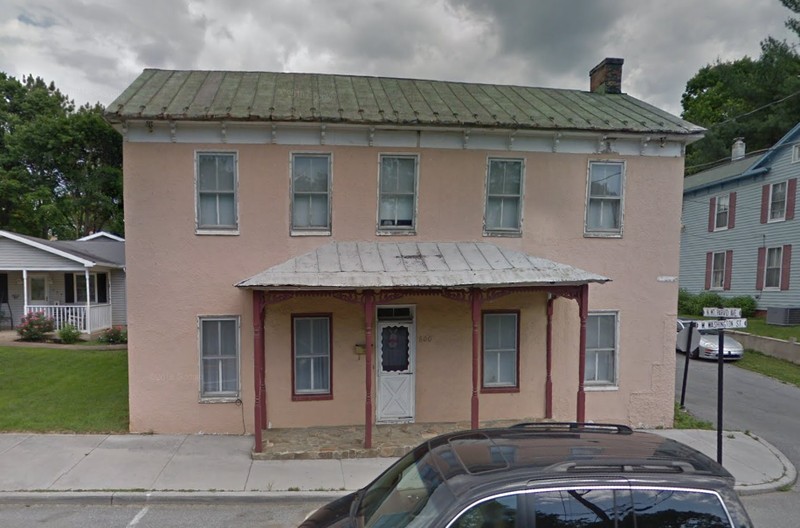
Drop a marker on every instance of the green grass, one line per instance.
(685, 420)
(759, 326)
(777, 368)
(56, 390)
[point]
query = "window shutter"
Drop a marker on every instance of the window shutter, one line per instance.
(709, 257)
(712, 214)
(764, 203)
(69, 288)
(726, 283)
(102, 288)
(762, 258)
(791, 191)
(732, 211)
(786, 266)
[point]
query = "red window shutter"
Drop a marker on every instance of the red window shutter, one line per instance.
(786, 266)
(732, 211)
(709, 257)
(712, 213)
(764, 203)
(791, 191)
(762, 260)
(726, 283)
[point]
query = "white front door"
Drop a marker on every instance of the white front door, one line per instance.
(395, 362)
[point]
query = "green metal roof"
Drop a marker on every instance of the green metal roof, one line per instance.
(321, 98)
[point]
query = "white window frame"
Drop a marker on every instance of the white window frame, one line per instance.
(795, 153)
(500, 384)
(44, 278)
(597, 231)
(772, 186)
(311, 230)
(718, 210)
(718, 273)
(212, 229)
(599, 385)
(81, 289)
(312, 392)
(219, 396)
(504, 231)
(767, 268)
(398, 229)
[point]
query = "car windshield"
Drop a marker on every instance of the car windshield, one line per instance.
(408, 494)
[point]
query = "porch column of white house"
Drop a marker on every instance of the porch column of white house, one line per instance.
(24, 292)
(88, 319)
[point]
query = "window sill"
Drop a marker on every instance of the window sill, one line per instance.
(600, 388)
(214, 232)
(594, 234)
(510, 234)
(772, 289)
(311, 397)
(776, 220)
(309, 233)
(219, 399)
(717, 229)
(398, 232)
(498, 390)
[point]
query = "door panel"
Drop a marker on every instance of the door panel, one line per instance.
(395, 365)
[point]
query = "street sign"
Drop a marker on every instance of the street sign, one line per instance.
(726, 323)
(722, 312)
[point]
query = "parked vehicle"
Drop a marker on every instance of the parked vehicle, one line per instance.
(708, 344)
(544, 475)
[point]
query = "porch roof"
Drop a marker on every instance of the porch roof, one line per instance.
(416, 265)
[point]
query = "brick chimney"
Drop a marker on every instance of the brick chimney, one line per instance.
(606, 77)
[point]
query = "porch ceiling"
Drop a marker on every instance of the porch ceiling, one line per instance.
(417, 265)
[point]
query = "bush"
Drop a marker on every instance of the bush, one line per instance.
(691, 304)
(69, 334)
(114, 336)
(745, 302)
(685, 302)
(35, 326)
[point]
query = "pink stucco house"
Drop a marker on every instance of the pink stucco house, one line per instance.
(308, 250)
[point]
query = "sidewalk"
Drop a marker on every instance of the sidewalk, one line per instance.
(128, 469)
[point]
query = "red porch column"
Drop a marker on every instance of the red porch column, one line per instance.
(476, 349)
(260, 407)
(583, 306)
(369, 323)
(548, 383)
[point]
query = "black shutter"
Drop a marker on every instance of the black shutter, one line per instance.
(69, 288)
(102, 288)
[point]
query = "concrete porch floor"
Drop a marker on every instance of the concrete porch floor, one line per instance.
(388, 440)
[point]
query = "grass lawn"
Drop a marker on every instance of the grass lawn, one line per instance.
(56, 390)
(759, 326)
(777, 368)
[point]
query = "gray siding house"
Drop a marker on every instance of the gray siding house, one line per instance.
(739, 226)
(78, 282)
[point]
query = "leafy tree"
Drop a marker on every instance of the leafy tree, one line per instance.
(60, 167)
(793, 23)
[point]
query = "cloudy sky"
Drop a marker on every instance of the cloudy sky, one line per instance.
(93, 49)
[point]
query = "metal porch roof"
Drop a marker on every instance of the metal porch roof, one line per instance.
(417, 265)
(192, 95)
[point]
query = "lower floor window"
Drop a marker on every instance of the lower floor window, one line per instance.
(219, 348)
(312, 355)
(601, 348)
(500, 349)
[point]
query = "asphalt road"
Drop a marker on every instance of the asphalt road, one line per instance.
(755, 403)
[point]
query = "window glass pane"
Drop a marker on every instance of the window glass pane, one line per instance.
(606, 180)
(495, 513)
(405, 210)
(207, 173)
(605, 366)
(577, 508)
(606, 331)
(227, 209)
(227, 336)
(406, 170)
(657, 508)
(395, 349)
(211, 382)
(207, 209)
(500, 349)
(310, 174)
(39, 289)
(225, 176)
(220, 356)
(302, 373)
(229, 375)
(604, 214)
(507, 361)
(320, 373)
(211, 339)
(312, 354)
(389, 177)
(302, 337)
(319, 329)
(601, 347)
(774, 257)
(319, 210)
(491, 374)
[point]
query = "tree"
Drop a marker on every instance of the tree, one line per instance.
(758, 100)
(793, 23)
(60, 168)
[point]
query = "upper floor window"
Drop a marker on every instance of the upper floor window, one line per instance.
(601, 349)
(504, 186)
(219, 351)
(604, 200)
(795, 153)
(398, 193)
(722, 212)
(311, 348)
(777, 201)
(774, 267)
(718, 271)
(311, 191)
(772, 270)
(216, 191)
(500, 349)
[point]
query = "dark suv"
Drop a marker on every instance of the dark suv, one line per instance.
(545, 475)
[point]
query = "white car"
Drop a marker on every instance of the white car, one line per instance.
(707, 346)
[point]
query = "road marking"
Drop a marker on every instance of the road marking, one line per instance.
(138, 516)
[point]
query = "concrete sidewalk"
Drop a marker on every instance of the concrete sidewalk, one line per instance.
(127, 469)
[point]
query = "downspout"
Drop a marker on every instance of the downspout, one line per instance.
(87, 322)
(548, 384)
(583, 304)
(369, 323)
(260, 406)
(476, 347)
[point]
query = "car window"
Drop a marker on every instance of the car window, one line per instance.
(500, 512)
(658, 508)
(578, 508)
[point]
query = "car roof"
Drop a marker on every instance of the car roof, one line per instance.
(535, 451)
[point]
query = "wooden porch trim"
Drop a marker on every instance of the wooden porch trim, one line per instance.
(548, 383)
(476, 352)
(260, 406)
(369, 324)
(583, 303)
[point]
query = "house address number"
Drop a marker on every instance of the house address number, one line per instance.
(425, 338)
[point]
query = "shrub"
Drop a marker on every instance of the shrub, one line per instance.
(745, 302)
(114, 336)
(35, 326)
(691, 304)
(69, 334)
(685, 302)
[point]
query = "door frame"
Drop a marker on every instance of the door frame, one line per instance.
(412, 350)
(46, 278)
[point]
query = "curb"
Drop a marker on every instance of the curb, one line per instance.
(788, 478)
(141, 498)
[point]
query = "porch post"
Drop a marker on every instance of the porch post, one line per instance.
(87, 321)
(260, 406)
(369, 323)
(24, 292)
(476, 348)
(548, 384)
(583, 304)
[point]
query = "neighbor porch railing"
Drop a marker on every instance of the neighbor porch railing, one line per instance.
(74, 314)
